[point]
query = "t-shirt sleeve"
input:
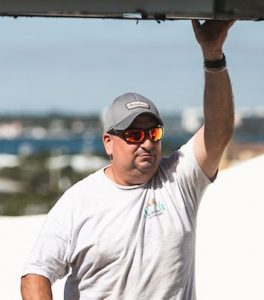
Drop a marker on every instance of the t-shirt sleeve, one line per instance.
(49, 255)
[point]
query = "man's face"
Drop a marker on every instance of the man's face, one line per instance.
(134, 163)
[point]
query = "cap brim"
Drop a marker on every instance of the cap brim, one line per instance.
(124, 124)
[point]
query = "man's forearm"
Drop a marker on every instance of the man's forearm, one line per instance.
(218, 108)
(35, 287)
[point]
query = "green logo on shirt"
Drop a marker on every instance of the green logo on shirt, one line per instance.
(153, 208)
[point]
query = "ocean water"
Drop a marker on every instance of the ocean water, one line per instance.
(67, 145)
(82, 144)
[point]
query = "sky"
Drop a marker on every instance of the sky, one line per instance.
(82, 65)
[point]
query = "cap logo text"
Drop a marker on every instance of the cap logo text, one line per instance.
(137, 104)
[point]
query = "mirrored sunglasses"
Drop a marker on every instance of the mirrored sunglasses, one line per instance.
(137, 136)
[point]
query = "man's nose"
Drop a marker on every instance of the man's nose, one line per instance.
(147, 144)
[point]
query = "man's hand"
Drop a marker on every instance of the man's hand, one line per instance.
(211, 36)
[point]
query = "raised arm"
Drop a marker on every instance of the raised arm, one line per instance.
(35, 287)
(211, 140)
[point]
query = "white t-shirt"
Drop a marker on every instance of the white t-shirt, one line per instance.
(120, 242)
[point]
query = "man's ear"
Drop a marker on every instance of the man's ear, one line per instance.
(108, 143)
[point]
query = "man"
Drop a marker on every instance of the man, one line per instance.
(128, 231)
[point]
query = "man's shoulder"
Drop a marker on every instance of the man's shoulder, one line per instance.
(89, 180)
(79, 192)
(167, 161)
(84, 186)
(177, 157)
(171, 156)
(183, 150)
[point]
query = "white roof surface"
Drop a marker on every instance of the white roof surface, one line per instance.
(230, 239)
(230, 235)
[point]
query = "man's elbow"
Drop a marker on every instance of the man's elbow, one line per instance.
(35, 287)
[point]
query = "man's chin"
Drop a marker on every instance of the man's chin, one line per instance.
(147, 165)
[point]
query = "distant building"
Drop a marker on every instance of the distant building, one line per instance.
(11, 129)
(191, 119)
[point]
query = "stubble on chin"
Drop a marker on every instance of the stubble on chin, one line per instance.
(147, 164)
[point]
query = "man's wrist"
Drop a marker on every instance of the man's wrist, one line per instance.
(215, 65)
(210, 54)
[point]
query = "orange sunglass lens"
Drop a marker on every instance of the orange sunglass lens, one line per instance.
(155, 134)
(134, 136)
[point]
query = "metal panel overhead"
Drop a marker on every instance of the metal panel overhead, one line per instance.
(136, 9)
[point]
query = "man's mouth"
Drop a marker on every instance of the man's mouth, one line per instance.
(147, 155)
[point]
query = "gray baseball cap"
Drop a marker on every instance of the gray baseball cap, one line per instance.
(126, 108)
